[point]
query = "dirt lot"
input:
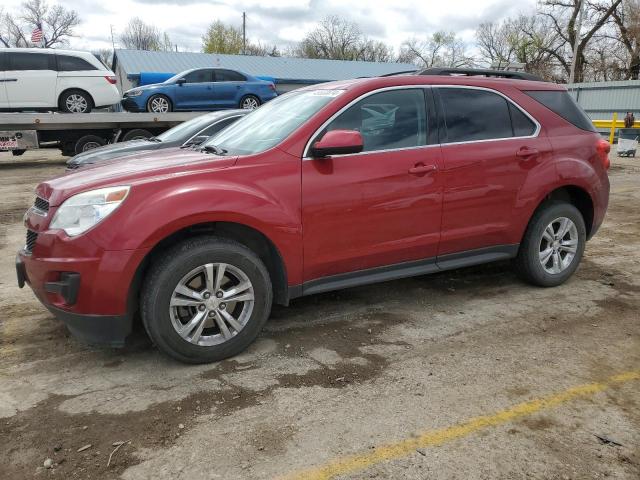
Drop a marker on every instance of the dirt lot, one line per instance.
(467, 374)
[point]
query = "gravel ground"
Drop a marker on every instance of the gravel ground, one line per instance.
(340, 374)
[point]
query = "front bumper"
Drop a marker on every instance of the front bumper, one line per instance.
(84, 286)
(131, 105)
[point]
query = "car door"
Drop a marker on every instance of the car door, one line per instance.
(31, 79)
(229, 88)
(4, 101)
(197, 93)
(489, 146)
(379, 207)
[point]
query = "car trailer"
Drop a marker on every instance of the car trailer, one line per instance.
(79, 132)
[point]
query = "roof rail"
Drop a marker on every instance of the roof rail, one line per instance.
(402, 72)
(480, 72)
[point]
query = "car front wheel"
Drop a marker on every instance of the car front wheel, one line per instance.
(206, 300)
(552, 246)
(158, 104)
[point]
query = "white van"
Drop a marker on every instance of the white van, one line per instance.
(46, 79)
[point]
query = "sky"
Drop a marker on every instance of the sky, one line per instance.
(283, 22)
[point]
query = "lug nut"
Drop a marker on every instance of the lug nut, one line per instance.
(219, 294)
(206, 295)
(201, 308)
(223, 306)
(212, 314)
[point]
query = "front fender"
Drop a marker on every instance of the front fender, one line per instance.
(153, 214)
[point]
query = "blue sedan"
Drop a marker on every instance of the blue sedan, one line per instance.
(200, 89)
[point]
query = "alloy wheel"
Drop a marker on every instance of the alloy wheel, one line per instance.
(211, 304)
(76, 103)
(250, 103)
(558, 245)
(159, 105)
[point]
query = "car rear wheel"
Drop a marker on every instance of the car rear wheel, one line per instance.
(158, 104)
(553, 245)
(75, 101)
(249, 102)
(206, 300)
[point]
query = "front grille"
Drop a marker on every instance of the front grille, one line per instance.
(31, 241)
(41, 204)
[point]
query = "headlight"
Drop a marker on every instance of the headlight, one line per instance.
(79, 213)
(133, 93)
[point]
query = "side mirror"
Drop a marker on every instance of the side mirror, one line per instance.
(338, 142)
(181, 81)
(197, 140)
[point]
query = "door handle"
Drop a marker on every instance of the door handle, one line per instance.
(526, 152)
(9, 80)
(422, 169)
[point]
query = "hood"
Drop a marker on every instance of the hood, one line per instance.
(132, 169)
(110, 151)
(151, 86)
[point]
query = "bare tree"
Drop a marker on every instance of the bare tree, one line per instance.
(563, 19)
(105, 55)
(441, 49)
(138, 35)
(56, 22)
(627, 21)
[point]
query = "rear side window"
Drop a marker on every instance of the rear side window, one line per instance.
(387, 120)
(67, 63)
(522, 125)
(564, 105)
(229, 76)
(31, 61)
(472, 115)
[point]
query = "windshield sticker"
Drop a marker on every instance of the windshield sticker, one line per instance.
(326, 93)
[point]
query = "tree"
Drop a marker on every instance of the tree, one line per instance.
(221, 38)
(105, 55)
(338, 39)
(56, 22)
(524, 39)
(441, 49)
(627, 21)
(138, 35)
(563, 20)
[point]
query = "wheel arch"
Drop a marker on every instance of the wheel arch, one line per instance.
(248, 236)
(576, 196)
(75, 89)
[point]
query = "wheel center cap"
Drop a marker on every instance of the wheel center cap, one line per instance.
(212, 303)
(556, 244)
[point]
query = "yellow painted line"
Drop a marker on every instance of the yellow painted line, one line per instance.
(402, 448)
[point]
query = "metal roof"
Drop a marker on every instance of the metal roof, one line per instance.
(281, 68)
(601, 99)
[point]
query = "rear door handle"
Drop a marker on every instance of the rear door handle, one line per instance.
(526, 152)
(422, 169)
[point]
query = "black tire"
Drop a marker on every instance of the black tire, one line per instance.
(63, 102)
(88, 142)
(135, 134)
(247, 99)
(528, 264)
(166, 272)
(149, 105)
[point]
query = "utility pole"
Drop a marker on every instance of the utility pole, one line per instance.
(244, 33)
(576, 42)
(113, 43)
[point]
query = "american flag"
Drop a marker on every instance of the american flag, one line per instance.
(36, 35)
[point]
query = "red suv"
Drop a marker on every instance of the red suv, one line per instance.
(326, 187)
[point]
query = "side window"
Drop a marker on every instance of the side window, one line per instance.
(522, 125)
(474, 115)
(3, 60)
(229, 76)
(68, 63)
(387, 120)
(199, 76)
(31, 61)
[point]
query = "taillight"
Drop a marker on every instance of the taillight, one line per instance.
(111, 79)
(603, 148)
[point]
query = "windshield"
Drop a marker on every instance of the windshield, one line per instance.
(175, 77)
(268, 125)
(188, 128)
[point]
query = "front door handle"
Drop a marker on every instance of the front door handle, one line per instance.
(526, 152)
(422, 169)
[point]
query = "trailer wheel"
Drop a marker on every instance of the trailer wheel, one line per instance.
(136, 134)
(88, 142)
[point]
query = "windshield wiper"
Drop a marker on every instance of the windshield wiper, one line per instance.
(213, 149)
(154, 139)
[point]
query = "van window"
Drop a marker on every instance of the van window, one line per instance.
(387, 120)
(31, 61)
(67, 63)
